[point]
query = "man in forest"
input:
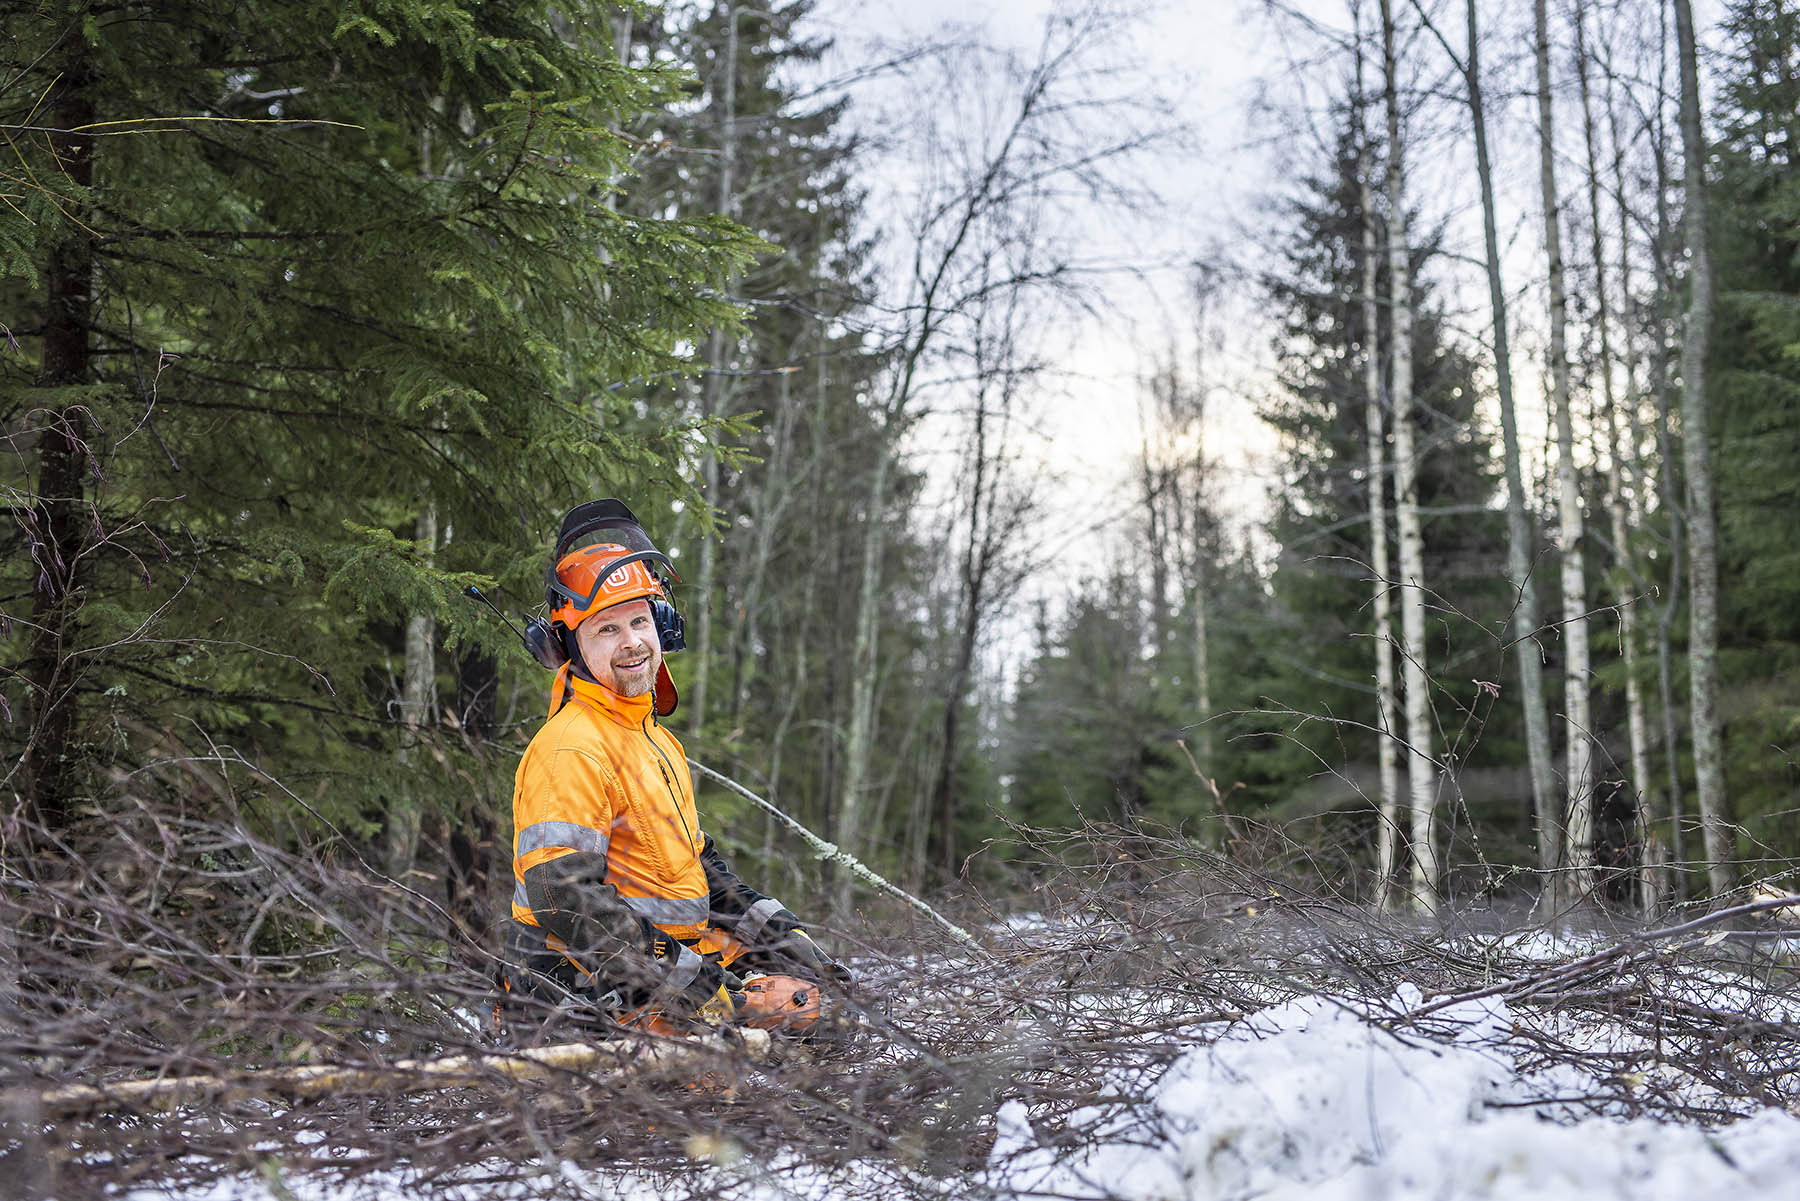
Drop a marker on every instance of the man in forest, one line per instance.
(622, 909)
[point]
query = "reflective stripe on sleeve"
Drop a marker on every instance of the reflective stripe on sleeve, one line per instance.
(670, 911)
(685, 970)
(539, 835)
(756, 919)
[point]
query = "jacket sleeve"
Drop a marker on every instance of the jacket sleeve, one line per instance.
(776, 939)
(570, 898)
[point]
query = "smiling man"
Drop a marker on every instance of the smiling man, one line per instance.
(623, 910)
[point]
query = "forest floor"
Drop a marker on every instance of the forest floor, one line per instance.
(1164, 1025)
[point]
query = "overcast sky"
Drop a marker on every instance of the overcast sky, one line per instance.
(1251, 86)
(1208, 64)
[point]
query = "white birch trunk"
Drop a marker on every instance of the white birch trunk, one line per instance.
(1197, 551)
(1387, 716)
(1421, 768)
(1202, 669)
(1703, 564)
(1578, 879)
(863, 651)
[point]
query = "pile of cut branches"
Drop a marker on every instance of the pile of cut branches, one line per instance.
(152, 946)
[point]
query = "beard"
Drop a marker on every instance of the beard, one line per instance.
(632, 683)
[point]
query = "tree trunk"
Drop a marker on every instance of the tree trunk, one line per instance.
(1670, 494)
(1198, 555)
(1154, 481)
(1653, 884)
(863, 663)
(1518, 526)
(1624, 600)
(712, 397)
(470, 839)
(57, 525)
(1703, 566)
(1421, 769)
(1578, 878)
(418, 697)
(1201, 666)
(1387, 834)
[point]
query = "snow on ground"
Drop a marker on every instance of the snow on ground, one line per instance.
(1313, 1100)
(1321, 1099)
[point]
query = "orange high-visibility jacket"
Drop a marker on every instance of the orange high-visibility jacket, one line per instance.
(603, 779)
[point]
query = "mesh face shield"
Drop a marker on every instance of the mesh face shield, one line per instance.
(602, 533)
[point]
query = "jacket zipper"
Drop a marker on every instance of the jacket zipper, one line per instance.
(662, 765)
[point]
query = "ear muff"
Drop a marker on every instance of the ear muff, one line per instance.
(671, 631)
(545, 643)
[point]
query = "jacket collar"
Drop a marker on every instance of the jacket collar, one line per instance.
(626, 710)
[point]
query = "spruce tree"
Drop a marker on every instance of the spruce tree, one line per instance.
(281, 282)
(1321, 662)
(1755, 383)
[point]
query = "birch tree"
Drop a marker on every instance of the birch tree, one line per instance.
(1421, 767)
(1194, 517)
(1382, 641)
(1577, 719)
(1669, 486)
(1703, 565)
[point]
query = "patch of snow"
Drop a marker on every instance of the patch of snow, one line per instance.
(1313, 1100)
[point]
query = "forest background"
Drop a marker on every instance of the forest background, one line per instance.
(313, 322)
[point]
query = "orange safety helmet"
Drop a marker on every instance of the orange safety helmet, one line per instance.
(598, 577)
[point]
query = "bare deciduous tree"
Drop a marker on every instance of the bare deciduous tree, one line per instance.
(1054, 129)
(1703, 554)
(1576, 875)
(1421, 766)
(1380, 479)
(1637, 724)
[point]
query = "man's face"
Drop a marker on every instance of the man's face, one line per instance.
(621, 647)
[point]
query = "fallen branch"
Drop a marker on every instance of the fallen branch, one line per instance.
(1631, 947)
(844, 859)
(1235, 835)
(608, 1060)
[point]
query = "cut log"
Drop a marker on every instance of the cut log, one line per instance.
(613, 1059)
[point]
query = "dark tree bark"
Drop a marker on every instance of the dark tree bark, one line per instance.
(468, 874)
(57, 529)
